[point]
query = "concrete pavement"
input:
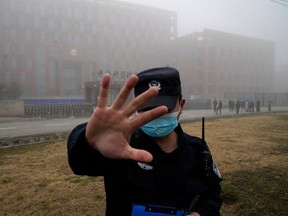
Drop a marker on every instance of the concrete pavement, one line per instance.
(16, 131)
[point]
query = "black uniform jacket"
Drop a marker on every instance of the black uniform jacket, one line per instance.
(174, 179)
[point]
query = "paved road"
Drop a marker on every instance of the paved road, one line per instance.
(24, 127)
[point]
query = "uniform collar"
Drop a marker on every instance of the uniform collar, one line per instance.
(143, 141)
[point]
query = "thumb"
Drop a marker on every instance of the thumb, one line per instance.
(137, 155)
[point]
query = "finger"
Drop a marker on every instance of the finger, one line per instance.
(139, 101)
(124, 93)
(147, 116)
(103, 92)
(137, 155)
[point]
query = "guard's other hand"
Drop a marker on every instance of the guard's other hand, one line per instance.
(194, 214)
(109, 128)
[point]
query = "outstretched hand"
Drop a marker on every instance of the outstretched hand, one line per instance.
(109, 128)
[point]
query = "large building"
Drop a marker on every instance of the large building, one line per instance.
(217, 63)
(280, 81)
(51, 48)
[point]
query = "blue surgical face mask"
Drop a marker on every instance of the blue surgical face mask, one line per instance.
(161, 126)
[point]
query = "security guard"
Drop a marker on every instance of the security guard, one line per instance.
(150, 165)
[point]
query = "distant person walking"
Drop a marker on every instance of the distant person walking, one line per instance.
(258, 106)
(219, 107)
(269, 105)
(246, 106)
(215, 106)
(237, 106)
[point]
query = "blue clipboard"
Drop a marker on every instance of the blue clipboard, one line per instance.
(154, 210)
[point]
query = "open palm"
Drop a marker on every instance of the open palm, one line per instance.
(109, 128)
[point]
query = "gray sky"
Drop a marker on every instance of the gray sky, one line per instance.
(263, 19)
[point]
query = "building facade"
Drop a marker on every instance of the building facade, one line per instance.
(215, 63)
(280, 81)
(51, 48)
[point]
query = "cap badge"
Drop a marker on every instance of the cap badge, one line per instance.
(145, 166)
(155, 84)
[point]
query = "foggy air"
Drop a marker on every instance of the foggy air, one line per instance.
(61, 49)
(211, 88)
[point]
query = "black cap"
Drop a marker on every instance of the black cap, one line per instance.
(166, 80)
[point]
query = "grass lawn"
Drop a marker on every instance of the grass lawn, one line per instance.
(250, 151)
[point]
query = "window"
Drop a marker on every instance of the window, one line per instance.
(63, 38)
(56, 24)
(91, 70)
(22, 21)
(94, 29)
(7, 48)
(92, 53)
(13, 49)
(13, 34)
(28, 8)
(36, 22)
(28, 35)
(6, 19)
(69, 12)
(51, 24)
(90, 16)
(6, 34)
(89, 39)
(23, 63)
(42, 37)
(54, 51)
(82, 27)
(40, 53)
(40, 78)
(69, 39)
(7, 62)
(77, 14)
(8, 76)
(12, 5)
(56, 11)
(42, 10)
(64, 25)
(77, 39)
(64, 12)
(29, 63)
(53, 78)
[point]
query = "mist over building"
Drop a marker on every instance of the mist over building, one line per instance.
(50, 48)
(218, 63)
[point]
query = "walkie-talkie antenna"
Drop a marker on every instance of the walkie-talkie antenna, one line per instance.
(206, 156)
(203, 129)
